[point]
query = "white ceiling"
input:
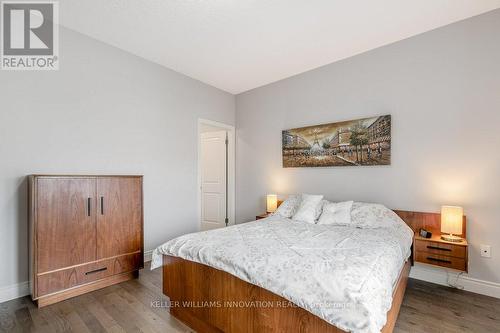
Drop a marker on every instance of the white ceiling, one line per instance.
(238, 45)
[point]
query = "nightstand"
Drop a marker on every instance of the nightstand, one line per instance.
(262, 216)
(438, 252)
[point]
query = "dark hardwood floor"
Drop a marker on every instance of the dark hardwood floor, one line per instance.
(138, 306)
(132, 306)
(430, 308)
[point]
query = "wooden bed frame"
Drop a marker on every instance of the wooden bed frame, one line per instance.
(209, 300)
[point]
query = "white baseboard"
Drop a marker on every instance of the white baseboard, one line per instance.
(440, 276)
(148, 255)
(8, 293)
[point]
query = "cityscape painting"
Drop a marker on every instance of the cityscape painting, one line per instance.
(355, 142)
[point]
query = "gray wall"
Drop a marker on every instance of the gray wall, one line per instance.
(104, 111)
(442, 89)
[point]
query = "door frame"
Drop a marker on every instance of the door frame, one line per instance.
(231, 184)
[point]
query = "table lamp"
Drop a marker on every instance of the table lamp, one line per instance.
(451, 223)
(271, 203)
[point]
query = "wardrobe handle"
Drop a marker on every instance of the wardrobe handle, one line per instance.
(96, 271)
(102, 205)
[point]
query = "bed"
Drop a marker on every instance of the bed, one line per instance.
(281, 275)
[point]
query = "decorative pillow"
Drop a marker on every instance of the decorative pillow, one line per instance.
(319, 209)
(336, 213)
(370, 215)
(307, 208)
(289, 206)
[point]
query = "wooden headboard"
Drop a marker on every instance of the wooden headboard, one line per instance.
(429, 221)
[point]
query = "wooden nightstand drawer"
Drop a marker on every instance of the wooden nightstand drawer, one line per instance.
(440, 260)
(438, 252)
(441, 248)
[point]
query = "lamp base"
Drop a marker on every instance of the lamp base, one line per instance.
(451, 238)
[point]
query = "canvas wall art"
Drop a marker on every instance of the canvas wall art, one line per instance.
(364, 141)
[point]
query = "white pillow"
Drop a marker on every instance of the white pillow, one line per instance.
(370, 215)
(307, 208)
(319, 209)
(289, 206)
(336, 213)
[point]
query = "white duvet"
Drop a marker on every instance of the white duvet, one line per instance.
(344, 275)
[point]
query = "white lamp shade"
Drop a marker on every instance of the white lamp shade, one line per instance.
(451, 220)
(272, 203)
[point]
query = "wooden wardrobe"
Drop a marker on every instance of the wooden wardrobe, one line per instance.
(86, 233)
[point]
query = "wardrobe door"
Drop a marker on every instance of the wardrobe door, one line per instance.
(119, 217)
(66, 230)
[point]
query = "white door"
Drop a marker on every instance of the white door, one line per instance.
(213, 180)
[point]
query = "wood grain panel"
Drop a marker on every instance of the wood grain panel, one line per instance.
(441, 260)
(66, 234)
(95, 285)
(119, 216)
(429, 221)
(397, 299)
(81, 274)
(63, 212)
(189, 285)
(440, 248)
